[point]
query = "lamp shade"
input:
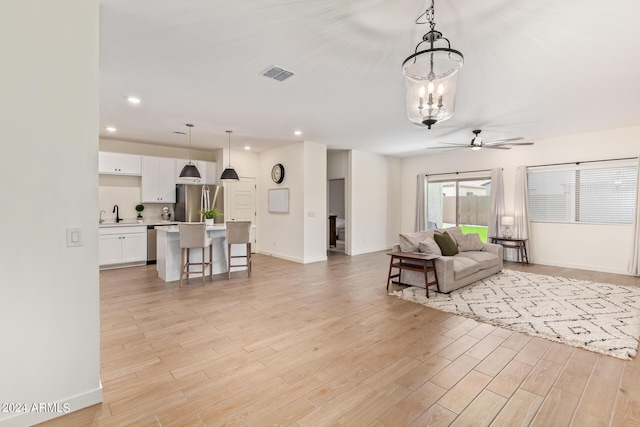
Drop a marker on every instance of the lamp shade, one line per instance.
(229, 174)
(507, 220)
(431, 83)
(190, 171)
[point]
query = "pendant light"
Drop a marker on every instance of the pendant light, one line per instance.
(229, 174)
(431, 76)
(190, 170)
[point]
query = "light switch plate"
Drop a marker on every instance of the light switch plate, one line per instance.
(74, 236)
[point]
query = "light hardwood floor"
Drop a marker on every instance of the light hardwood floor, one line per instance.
(323, 344)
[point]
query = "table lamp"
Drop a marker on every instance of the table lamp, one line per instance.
(507, 221)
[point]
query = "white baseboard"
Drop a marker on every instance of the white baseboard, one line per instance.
(581, 266)
(53, 410)
(295, 259)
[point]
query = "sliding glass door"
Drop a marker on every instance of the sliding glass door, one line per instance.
(464, 203)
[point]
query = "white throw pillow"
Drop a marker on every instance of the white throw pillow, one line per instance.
(429, 246)
(409, 241)
(469, 242)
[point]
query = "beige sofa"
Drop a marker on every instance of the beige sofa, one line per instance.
(455, 271)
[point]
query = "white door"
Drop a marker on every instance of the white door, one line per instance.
(242, 204)
(242, 200)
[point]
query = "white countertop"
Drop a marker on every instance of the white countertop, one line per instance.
(175, 229)
(129, 223)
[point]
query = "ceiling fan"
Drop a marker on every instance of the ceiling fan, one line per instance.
(477, 143)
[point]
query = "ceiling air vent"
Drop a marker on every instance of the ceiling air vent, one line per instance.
(277, 73)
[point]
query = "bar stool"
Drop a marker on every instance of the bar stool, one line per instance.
(239, 233)
(194, 235)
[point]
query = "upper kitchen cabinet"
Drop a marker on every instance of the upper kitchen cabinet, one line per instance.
(119, 164)
(158, 180)
(207, 172)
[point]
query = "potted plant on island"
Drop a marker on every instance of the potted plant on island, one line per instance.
(209, 215)
(139, 209)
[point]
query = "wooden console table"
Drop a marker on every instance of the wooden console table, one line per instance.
(513, 243)
(414, 262)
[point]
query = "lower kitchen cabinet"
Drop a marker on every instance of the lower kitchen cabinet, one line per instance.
(122, 245)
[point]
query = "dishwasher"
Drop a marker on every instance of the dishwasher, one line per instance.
(151, 244)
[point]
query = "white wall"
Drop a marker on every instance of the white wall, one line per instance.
(337, 164)
(50, 328)
(373, 202)
(336, 197)
(595, 247)
(316, 222)
(282, 234)
(296, 235)
(131, 147)
(245, 163)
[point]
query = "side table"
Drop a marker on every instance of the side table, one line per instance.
(513, 243)
(414, 262)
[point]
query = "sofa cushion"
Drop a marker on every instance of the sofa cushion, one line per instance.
(447, 244)
(429, 246)
(454, 232)
(464, 266)
(484, 259)
(469, 242)
(409, 241)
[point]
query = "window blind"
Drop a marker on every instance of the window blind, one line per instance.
(596, 194)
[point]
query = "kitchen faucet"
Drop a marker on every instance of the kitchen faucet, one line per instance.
(102, 219)
(116, 210)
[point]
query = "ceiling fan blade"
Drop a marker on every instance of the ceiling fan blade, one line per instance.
(459, 147)
(502, 140)
(453, 143)
(496, 147)
(446, 149)
(503, 144)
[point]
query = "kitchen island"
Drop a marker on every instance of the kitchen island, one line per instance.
(168, 251)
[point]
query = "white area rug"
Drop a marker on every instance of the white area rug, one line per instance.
(595, 316)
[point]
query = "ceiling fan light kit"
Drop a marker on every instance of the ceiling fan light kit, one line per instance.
(431, 76)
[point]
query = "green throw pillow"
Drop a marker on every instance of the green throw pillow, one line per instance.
(446, 243)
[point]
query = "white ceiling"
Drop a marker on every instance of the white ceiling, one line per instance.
(533, 68)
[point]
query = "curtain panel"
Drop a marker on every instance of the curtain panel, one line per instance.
(497, 202)
(634, 262)
(421, 203)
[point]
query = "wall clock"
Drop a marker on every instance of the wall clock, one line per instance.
(277, 173)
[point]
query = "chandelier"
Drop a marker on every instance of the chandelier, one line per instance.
(431, 75)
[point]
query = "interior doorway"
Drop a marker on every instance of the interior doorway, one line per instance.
(337, 221)
(242, 204)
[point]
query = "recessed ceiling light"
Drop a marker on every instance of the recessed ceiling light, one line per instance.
(246, 147)
(133, 99)
(111, 129)
(297, 132)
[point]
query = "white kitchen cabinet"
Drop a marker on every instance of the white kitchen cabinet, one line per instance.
(119, 163)
(207, 172)
(158, 180)
(122, 245)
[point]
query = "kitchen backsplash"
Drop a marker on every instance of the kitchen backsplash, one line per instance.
(125, 191)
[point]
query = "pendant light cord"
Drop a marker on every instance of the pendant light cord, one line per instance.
(229, 132)
(189, 125)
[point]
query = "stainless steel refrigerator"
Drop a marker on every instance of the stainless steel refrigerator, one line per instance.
(192, 198)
